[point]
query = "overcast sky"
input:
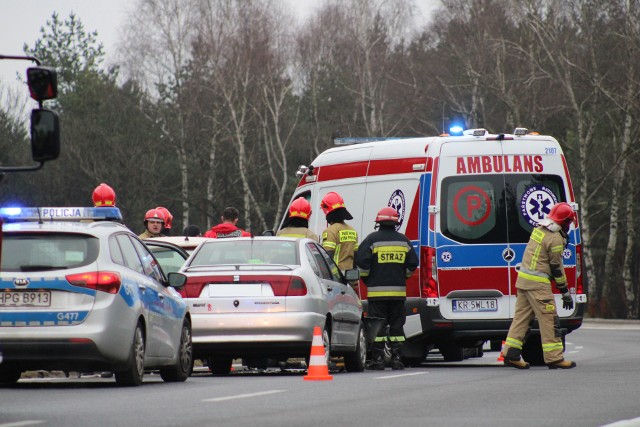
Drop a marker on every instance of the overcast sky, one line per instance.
(21, 20)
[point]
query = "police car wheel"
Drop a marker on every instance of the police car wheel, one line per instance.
(356, 361)
(184, 359)
(9, 374)
(134, 373)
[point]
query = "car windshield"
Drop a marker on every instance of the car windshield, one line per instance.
(250, 251)
(47, 251)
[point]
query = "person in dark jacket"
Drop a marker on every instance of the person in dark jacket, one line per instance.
(386, 259)
(228, 227)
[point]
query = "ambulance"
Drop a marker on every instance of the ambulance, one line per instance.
(468, 203)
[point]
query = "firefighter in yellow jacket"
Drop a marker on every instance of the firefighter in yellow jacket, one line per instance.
(297, 224)
(339, 239)
(541, 262)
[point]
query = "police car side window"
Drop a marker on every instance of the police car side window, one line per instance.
(116, 252)
(149, 264)
(131, 258)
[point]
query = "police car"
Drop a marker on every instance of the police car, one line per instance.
(80, 292)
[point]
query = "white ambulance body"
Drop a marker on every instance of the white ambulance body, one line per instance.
(468, 203)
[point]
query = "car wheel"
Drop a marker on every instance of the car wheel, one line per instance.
(356, 361)
(134, 373)
(9, 374)
(451, 351)
(184, 359)
(219, 365)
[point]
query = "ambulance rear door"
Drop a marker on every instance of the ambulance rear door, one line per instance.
(473, 254)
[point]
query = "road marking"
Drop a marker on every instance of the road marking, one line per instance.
(614, 327)
(23, 423)
(633, 422)
(240, 396)
(400, 375)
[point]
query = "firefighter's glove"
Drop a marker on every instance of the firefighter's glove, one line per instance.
(567, 301)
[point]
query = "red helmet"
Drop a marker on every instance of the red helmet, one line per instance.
(154, 214)
(387, 214)
(331, 201)
(563, 215)
(168, 218)
(103, 195)
(300, 208)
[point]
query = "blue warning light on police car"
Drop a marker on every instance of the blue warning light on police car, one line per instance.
(16, 214)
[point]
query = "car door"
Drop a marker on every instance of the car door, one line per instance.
(166, 317)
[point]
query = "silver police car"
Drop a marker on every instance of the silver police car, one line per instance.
(80, 292)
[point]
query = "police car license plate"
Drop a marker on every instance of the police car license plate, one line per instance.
(474, 305)
(25, 299)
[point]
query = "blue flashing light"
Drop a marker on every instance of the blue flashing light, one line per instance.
(61, 214)
(456, 130)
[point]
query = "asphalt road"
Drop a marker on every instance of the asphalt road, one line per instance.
(603, 389)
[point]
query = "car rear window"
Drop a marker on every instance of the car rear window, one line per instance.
(47, 251)
(497, 208)
(251, 251)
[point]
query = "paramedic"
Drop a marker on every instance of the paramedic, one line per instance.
(386, 259)
(297, 225)
(542, 261)
(227, 226)
(103, 196)
(168, 220)
(339, 239)
(153, 223)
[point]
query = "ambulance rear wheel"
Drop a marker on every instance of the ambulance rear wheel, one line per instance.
(451, 351)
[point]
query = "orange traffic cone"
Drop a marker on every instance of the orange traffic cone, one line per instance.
(501, 357)
(317, 369)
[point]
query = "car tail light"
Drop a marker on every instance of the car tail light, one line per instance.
(286, 286)
(428, 273)
(579, 279)
(105, 281)
(194, 285)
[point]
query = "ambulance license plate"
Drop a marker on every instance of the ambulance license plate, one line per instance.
(474, 305)
(25, 299)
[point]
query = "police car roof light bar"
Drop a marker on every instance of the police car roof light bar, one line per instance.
(16, 214)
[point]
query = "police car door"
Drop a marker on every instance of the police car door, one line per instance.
(472, 238)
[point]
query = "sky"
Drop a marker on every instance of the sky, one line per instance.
(21, 20)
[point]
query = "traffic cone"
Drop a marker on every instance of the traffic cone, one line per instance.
(317, 369)
(501, 357)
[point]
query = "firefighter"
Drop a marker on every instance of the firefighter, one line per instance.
(168, 220)
(298, 222)
(339, 239)
(386, 259)
(153, 223)
(227, 226)
(103, 196)
(541, 262)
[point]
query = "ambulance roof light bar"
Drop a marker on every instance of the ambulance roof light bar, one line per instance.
(520, 131)
(17, 214)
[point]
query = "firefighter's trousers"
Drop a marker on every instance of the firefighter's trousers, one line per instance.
(538, 303)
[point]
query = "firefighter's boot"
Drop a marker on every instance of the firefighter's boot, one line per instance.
(516, 363)
(396, 359)
(377, 357)
(562, 364)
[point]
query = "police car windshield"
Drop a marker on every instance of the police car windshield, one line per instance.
(47, 251)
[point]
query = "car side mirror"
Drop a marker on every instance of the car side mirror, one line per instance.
(177, 280)
(43, 83)
(352, 275)
(45, 135)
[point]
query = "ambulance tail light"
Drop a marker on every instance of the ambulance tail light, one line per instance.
(428, 273)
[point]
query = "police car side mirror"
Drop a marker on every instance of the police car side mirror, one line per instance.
(352, 275)
(177, 280)
(45, 135)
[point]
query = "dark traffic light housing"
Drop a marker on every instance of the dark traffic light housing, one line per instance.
(45, 125)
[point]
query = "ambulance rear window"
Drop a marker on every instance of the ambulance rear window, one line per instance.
(483, 209)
